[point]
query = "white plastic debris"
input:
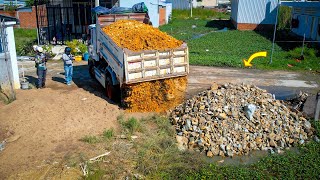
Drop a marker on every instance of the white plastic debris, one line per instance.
(249, 110)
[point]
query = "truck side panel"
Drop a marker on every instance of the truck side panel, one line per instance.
(152, 65)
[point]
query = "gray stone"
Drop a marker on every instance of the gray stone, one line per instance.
(307, 125)
(309, 106)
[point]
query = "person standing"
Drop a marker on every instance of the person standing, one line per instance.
(40, 64)
(68, 68)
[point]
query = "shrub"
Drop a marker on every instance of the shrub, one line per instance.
(77, 47)
(284, 18)
(307, 52)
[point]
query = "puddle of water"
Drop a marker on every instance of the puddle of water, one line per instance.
(200, 35)
(282, 93)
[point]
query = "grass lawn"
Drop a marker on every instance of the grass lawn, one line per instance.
(24, 39)
(210, 45)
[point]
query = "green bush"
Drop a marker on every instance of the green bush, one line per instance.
(284, 17)
(77, 47)
(24, 40)
(307, 53)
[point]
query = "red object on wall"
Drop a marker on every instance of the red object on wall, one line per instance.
(162, 15)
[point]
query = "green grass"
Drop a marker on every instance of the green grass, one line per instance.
(25, 39)
(199, 13)
(210, 47)
(155, 155)
(131, 125)
(108, 133)
(104, 137)
(90, 139)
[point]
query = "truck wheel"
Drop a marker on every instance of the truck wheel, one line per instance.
(91, 71)
(110, 91)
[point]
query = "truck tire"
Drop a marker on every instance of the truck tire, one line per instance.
(91, 70)
(110, 90)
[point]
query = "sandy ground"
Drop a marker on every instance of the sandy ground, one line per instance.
(44, 126)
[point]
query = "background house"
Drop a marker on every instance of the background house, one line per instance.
(9, 74)
(159, 10)
(305, 19)
(253, 14)
(18, 3)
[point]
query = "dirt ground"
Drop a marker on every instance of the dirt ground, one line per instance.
(43, 127)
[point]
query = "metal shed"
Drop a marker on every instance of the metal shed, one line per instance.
(253, 14)
(305, 19)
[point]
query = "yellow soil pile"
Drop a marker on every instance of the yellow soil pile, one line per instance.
(156, 96)
(137, 36)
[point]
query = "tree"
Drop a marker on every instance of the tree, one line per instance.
(29, 3)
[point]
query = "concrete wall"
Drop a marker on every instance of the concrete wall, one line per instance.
(9, 74)
(5, 86)
(209, 3)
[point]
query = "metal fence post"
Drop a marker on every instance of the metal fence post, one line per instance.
(317, 110)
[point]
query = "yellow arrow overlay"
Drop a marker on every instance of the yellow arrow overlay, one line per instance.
(247, 63)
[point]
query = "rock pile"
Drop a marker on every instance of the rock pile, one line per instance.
(235, 119)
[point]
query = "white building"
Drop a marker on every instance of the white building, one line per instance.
(9, 74)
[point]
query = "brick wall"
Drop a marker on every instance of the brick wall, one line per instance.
(8, 13)
(257, 27)
(27, 19)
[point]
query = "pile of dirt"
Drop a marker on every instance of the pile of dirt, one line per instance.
(137, 36)
(231, 120)
(156, 96)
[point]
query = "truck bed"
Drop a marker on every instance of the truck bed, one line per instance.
(133, 67)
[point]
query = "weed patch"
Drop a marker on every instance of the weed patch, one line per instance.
(90, 139)
(105, 136)
(108, 133)
(131, 125)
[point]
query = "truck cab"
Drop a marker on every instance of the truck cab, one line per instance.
(98, 67)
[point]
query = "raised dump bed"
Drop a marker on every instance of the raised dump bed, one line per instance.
(132, 67)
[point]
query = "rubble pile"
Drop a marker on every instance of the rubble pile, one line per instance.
(137, 36)
(231, 120)
(156, 96)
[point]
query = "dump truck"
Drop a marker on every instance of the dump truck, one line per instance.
(119, 70)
